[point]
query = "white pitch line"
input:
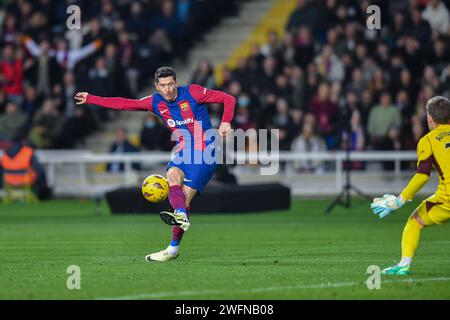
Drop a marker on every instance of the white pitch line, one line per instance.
(156, 295)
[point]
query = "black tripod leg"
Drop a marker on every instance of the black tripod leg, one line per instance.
(336, 201)
(360, 193)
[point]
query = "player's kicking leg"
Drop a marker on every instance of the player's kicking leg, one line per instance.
(179, 200)
(180, 197)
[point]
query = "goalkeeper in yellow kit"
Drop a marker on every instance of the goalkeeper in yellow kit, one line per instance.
(433, 150)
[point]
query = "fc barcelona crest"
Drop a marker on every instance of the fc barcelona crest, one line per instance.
(184, 106)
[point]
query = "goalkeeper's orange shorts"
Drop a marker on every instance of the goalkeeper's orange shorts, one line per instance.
(432, 211)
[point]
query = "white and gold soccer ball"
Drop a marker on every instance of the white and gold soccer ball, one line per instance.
(155, 188)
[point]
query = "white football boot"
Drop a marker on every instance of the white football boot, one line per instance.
(161, 256)
(175, 219)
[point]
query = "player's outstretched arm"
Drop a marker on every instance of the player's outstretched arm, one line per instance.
(144, 104)
(204, 95)
(389, 203)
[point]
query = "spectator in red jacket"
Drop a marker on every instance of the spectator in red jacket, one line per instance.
(11, 74)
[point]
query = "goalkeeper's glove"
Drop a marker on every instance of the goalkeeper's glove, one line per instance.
(384, 206)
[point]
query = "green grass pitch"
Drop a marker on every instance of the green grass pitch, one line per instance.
(296, 254)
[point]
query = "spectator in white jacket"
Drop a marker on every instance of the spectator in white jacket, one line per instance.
(309, 142)
(437, 15)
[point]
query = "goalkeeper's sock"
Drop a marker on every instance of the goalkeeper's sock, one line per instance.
(404, 262)
(410, 239)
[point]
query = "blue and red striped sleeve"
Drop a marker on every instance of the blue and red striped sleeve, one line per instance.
(204, 95)
(144, 104)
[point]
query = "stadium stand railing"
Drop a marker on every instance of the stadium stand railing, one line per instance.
(75, 173)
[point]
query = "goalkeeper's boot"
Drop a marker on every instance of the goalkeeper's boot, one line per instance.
(175, 219)
(161, 256)
(397, 270)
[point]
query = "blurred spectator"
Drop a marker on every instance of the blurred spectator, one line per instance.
(439, 55)
(437, 14)
(353, 136)
(2, 101)
(421, 29)
(287, 51)
(378, 83)
(382, 118)
(10, 33)
(304, 14)
(329, 65)
(357, 83)
(405, 83)
(417, 132)
(11, 74)
(326, 18)
(309, 141)
(391, 143)
(297, 82)
(46, 127)
(45, 72)
(108, 15)
(136, 23)
(304, 44)
(325, 111)
(168, 22)
(153, 135)
(31, 102)
(31, 172)
(403, 105)
(273, 44)
(119, 146)
(268, 74)
(203, 75)
(69, 92)
(66, 57)
(12, 122)
(284, 122)
(77, 127)
(357, 141)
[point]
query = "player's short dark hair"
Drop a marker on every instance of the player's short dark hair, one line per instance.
(439, 109)
(164, 72)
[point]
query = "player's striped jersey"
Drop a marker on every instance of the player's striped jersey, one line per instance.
(433, 150)
(187, 115)
(184, 113)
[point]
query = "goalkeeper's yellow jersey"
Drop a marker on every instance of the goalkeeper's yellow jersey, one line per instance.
(433, 150)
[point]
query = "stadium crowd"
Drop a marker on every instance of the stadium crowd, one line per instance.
(327, 75)
(117, 49)
(330, 75)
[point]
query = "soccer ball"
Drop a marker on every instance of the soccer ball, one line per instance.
(155, 188)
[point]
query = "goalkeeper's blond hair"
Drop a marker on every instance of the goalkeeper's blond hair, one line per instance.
(439, 109)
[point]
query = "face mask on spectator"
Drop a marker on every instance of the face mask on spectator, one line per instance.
(103, 73)
(243, 102)
(150, 124)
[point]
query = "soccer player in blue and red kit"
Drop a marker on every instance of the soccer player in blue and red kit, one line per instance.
(183, 110)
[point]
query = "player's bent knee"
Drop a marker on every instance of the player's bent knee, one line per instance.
(416, 217)
(174, 176)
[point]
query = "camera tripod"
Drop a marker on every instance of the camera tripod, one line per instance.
(344, 197)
